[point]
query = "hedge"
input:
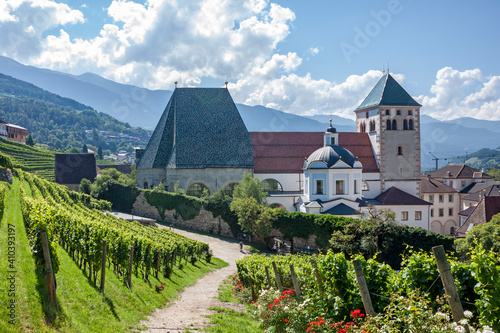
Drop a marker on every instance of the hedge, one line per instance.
(5, 162)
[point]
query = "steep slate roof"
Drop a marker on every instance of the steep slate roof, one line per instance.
(483, 212)
(431, 185)
(396, 197)
(285, 152)
(388, 92)
(341, 209)
(459, 171)
(200, 128)
(467, 211)
(72, 168)
(489, 190)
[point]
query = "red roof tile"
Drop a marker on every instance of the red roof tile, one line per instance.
(483, 212)
(459, 171)
(431, 185)
(284, 152)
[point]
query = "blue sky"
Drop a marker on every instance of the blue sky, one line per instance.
(301, 57)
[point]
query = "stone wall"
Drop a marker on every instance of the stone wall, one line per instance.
(6, 176)
(203, 222)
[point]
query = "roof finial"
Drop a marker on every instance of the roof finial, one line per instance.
(226, 84)
(331, 123)
(383, 70)
(387, 68)
(175, 84)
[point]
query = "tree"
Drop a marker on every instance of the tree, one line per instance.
(495, 173)
(106, 175)
(253, 217)
(85, 186)
(30, 141)
(85, 149)
(250, 187)
(486, 234)
(99, 152)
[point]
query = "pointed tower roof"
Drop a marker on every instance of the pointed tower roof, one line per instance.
(388, 92)
(200, 128)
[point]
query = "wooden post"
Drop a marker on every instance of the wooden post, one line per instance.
(295, 282)
(148, 253)
(158, 263)
(277, 275)
(129, 273)
(51, 288)
(103, 265)
(268, 278)
(363, 288)
(449, 284)
(319, 280)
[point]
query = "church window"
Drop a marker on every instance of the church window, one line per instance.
(400, 150)
(196, 190)
(410, 112)
(229, 188)
(398, 112)
(271, 185)
(387, 112)
(319, 186)
(339, 187)
(405, 124)
(372, 125)
(404, 216)
(363, 127)
(356, 186)
(394, 125)
(388, 125)
(410, 124)
(418, 215)
(367, 114)
(364, 186)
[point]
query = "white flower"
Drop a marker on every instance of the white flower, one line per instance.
(460, 329)
(286, 308)
(468, 314)
(463, 321)
(487, 329)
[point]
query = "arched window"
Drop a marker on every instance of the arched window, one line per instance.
(405, 124)
(229, 188)
(146, 186)
(196, 190)
(410, 124)
(362, 128)
(372, 125)
(277, 205)
(394, 125)
(400, 150)
(388, 125)
(271, 185)
(364, 186)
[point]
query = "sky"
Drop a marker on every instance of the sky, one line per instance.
(302, 57)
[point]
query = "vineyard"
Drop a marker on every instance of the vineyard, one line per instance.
(30, 159)
(328, 289)
(77, 222)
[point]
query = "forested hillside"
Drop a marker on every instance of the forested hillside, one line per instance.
(61, 122)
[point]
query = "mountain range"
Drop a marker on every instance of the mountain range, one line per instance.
(142, 107)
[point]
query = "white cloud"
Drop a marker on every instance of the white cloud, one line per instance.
(450, 98)
(313, 51)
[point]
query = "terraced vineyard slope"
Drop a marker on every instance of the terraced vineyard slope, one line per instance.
(30, 159)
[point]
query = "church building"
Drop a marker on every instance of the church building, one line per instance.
(202, 144)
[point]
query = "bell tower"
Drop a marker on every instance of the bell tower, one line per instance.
(391, 117)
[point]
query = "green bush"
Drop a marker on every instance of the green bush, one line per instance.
(185, 206)
(5, 162)
(121, 196)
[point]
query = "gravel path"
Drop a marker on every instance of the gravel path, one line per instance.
(190, 309)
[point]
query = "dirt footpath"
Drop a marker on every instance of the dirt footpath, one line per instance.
(190, 309)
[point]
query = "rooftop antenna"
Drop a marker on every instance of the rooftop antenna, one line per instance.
(437, 159)
(175, 84)
(226, 84)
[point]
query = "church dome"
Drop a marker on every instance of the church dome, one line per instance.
(331, 155)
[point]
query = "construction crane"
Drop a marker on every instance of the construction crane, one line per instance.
(437, 159)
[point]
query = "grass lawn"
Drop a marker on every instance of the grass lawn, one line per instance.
(81, 308)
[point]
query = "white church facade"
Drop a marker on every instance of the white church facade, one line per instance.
(201, 143)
